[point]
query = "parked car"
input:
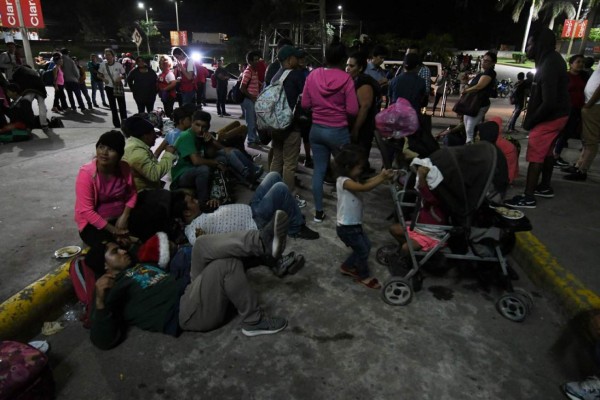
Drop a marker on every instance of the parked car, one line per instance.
(211, 92)
(434, 67)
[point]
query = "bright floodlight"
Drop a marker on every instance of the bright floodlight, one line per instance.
(196, 56)
(140, 5)
(339, 7)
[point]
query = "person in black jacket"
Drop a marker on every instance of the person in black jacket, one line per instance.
(20, 114)
(547, 114)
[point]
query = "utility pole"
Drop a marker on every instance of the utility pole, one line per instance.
(25, 34)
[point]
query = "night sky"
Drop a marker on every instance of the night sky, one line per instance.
(476, 25)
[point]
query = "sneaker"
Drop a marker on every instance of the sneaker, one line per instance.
(560, 163)
(274, 234)
(570, 169)
(306, 233)
(588, 389)
(521, 201)
(105, 105)
(319, 216)
(577, 176)
(544, 192)
(265, 326)
(288, 264)
(226, 115)
(300, 201)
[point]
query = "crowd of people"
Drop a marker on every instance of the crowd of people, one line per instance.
(123, 200)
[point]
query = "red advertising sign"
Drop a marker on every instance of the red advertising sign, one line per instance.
(30, 9)
(574, 28)
(179, 38)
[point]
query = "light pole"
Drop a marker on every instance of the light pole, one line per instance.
(341, 20)
(141, 5)
(176, 14)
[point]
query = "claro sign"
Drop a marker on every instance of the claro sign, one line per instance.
(30, 9)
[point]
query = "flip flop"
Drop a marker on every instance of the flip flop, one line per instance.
(372, 283)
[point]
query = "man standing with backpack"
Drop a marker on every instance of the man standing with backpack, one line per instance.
(286, 143)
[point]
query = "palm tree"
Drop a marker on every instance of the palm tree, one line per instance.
(550, 9)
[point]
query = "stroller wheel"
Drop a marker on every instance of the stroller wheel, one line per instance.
(512, 306)
(386, 253)
(397, 292)
(526, 296)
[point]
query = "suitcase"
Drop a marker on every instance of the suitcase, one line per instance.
(24, 373)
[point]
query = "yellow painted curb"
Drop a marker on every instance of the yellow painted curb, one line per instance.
(31, 305)
(544, 270)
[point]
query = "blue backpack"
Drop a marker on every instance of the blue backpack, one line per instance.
(273, 112)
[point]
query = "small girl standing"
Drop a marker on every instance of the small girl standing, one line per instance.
(349, 163)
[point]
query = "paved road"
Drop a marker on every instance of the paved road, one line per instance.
(343, 341)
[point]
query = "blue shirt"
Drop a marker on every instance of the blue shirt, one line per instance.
(375, 72)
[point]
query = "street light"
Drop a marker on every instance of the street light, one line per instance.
(341, 21)
(141, 5)
(176, 13)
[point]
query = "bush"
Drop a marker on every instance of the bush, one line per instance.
(519, 57)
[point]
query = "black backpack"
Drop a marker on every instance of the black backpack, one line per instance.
(235, 95)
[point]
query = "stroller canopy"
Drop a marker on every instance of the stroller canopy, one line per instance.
(468, 173)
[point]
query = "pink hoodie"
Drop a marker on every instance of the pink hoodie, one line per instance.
(331, 96)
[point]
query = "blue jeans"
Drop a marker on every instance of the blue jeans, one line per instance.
(272, 195)
(354, 237)
(188, 97)
(198, 178)
(98, 86)
(515, 116)
(323, 141)
(472, 122)
(241, 164)
(250, 116)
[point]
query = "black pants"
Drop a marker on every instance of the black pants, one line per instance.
(144, 105)
(113, 102)
(200, 93)
(73, 88)
(168, 105)
(221, 98)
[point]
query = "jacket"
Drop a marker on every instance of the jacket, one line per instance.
(330, 94)
(146, 169)
(87, 186)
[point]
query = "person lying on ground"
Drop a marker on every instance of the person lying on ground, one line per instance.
(271, 195)
(145, 296)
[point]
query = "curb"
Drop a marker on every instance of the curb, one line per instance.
(545, 271)
(22, 315)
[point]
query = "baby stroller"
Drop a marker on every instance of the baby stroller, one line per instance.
(479, 231)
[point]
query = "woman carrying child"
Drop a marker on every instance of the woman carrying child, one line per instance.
(350, 162)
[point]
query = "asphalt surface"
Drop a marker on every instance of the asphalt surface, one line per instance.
(342, 341)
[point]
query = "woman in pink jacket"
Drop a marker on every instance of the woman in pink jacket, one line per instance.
(105, 193)
(329, 92)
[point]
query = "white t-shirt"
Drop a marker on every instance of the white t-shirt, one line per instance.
(349, 204)
(225, 219)
(116, 70)
(592, 85)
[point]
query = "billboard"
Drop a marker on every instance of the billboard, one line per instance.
(30, 9)
(179, 38)
(574, 28)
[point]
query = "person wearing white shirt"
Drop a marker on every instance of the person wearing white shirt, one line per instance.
(112, 73)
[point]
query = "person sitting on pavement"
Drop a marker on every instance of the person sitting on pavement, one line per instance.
(182, 118)
(199, 153)
(271, 195)
(146, 168)
(105, 193)
(21, 117)
(32, 87)
(141, 295)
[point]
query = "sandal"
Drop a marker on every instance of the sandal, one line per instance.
(348, 271)
(371, 283)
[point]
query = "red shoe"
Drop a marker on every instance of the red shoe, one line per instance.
(349, 271)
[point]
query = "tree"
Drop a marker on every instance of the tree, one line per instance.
(549, 9)
(590, 13)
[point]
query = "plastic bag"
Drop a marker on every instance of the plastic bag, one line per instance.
(398, 120)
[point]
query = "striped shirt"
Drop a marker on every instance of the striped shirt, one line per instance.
(250, 78)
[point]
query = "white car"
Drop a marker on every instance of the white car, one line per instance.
(211, 92)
